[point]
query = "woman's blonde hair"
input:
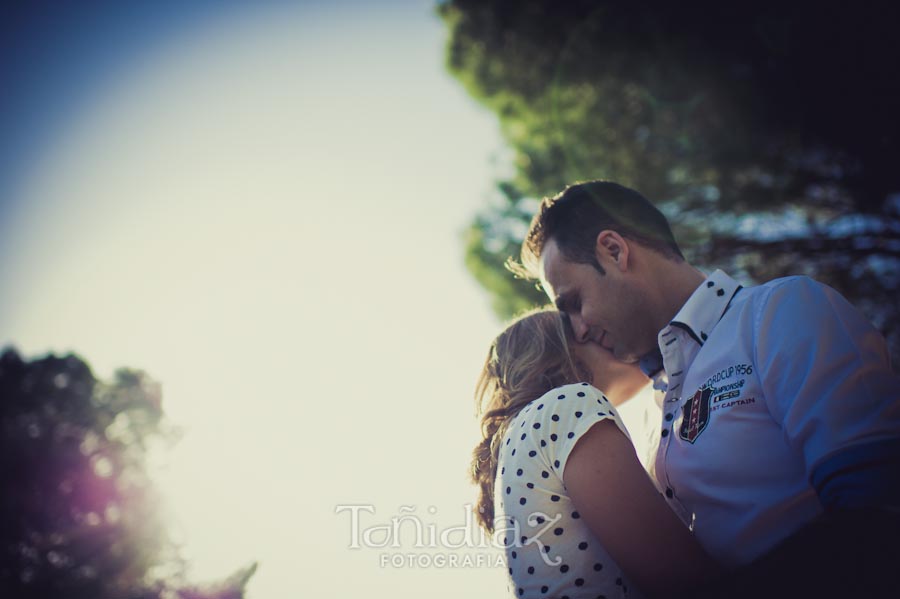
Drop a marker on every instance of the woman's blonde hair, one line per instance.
(525, 361)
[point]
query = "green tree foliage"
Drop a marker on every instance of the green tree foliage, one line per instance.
(79, 516)
(767, 134)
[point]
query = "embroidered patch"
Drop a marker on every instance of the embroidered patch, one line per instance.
(696, 415)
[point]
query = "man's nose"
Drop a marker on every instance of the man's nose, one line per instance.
(579, 328)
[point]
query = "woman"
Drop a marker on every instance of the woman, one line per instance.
(561, 487)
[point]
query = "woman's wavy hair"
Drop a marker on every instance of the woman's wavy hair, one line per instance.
(528, 359)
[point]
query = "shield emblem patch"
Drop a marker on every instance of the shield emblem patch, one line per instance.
(696, 415)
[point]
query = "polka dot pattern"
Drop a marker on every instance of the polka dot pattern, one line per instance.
(550, 550)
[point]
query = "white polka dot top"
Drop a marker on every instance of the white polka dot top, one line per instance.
(549, 550)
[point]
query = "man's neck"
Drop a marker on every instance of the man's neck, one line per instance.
(676, 281)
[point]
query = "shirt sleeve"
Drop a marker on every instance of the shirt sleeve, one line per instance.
(561, 417)
(827, 379)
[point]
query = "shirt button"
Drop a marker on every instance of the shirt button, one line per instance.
(665, 433)
(669, 417)
(670, 493)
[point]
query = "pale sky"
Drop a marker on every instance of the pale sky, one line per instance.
(265, 214)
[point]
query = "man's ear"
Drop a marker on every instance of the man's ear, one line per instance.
(612, 249)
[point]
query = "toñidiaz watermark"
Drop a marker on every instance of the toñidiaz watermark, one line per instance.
(410, 540)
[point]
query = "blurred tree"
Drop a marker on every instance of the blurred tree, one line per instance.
(79, 516)
(767, 133)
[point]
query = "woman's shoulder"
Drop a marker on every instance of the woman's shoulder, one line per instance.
(575, 391)
(565, 397)
(562, 404)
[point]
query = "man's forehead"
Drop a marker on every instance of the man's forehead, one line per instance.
(552, 265)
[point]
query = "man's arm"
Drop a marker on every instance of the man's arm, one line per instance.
(828, 382)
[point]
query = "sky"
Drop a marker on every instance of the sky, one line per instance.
(262, 207)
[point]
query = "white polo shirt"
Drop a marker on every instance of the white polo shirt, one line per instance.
(770, 389)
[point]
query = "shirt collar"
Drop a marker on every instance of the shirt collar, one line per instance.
(652, 363)
(706, 306)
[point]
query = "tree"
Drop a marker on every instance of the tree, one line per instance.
(766, 133)
(80, 517)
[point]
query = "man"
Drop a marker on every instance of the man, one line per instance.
(780, 440)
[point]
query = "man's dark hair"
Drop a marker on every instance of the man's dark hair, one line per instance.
(575, 216)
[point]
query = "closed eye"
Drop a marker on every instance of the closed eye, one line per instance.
(568, 304)
(571, 306)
